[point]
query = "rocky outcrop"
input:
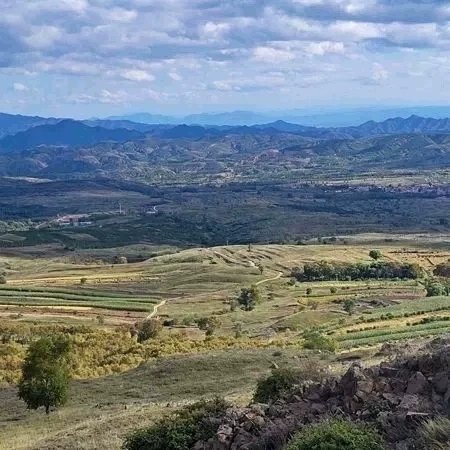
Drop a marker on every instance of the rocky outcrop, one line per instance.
(394, 396)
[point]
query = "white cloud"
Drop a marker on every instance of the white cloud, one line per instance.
(137, 75)
(270, 54)
(223, 86)
(321, 48)
(19, 87)
(175, 76)
(379, 73)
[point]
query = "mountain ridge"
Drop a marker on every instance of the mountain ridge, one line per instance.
(65, 133)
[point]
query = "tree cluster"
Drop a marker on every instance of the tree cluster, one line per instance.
(328, 271)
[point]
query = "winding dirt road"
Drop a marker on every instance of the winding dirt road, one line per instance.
(155, 310)
(269, 279)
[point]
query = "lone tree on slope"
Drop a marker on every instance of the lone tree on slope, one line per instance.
(45, 373)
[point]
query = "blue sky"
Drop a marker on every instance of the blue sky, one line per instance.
(84, 58)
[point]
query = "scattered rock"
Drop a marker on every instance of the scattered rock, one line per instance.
(396, 396)
(417, 384)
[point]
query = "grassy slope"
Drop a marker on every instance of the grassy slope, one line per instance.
(101, 411)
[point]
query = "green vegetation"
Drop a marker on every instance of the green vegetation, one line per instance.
(328, 271)
(209, 324)
(196, 291)
(249, 298)
(375, 254)
(45, 373)
(337, 434)
(435, 289)
(314, 340)
(181, 430)
(349, 306)
(275, 386)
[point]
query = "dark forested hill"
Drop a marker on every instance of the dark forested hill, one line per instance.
(11, 124)
(68, 133)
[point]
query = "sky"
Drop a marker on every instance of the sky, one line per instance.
(86, 58)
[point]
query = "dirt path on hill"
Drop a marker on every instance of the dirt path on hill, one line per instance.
(155, 310)
(269, 279)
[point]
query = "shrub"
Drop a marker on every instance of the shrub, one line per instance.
(337, 434)
(435, 434)
(333, 290)
(275, 385)
(313, 304)
(314, 340)
(2, 279)
(181, 430)
(148, 329)
(375, 254)
(209, 324)
(308, 291)
(120, 260)
(83, 280)
(435, 289)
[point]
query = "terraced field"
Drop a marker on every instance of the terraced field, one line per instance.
(203, 282)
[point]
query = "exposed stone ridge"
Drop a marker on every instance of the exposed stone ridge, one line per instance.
(395, 396)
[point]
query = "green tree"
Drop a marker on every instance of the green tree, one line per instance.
(249, 298)
(45, 373)
(349, 306)
(148, 329)
(375, 254)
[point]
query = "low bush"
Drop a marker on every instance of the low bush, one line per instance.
(336, 435)
(180, 431)
(314, 340)
(148, 329)
(275, 385)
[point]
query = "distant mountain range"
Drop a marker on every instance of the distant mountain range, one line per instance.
(317, 118)
(19, 133)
